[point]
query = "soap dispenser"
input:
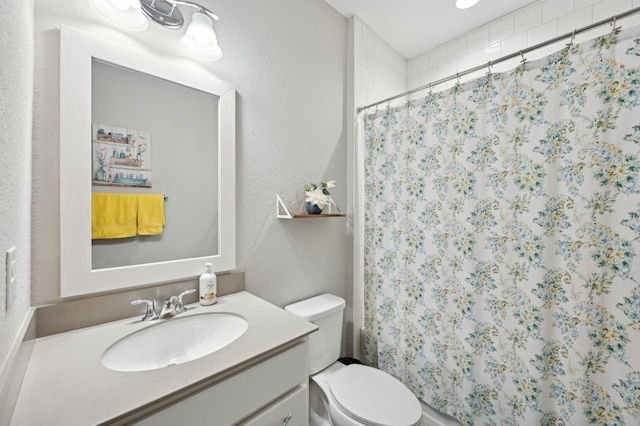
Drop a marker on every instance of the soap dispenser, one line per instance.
(208, 286)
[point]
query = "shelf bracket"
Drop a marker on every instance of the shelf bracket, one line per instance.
(333, 205)
(281, 210)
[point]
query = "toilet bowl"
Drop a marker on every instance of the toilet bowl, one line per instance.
(349, 395)
(356, 395)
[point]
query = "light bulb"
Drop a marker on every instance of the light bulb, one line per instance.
(200, 40)
(465, 4)
(121, 4)
(126, 14)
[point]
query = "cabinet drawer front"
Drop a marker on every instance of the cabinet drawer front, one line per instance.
(291, 410)
(239, 396)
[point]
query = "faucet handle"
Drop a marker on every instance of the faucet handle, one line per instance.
(150, 314)
(180, 308)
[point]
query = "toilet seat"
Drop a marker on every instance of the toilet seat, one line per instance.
(374, 398)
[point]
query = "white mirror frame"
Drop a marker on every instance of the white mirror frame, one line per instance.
(77, 49)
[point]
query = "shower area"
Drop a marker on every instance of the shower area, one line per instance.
(501, 237)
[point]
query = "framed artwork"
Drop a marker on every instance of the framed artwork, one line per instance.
(121, 156)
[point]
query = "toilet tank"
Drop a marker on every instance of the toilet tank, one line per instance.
(326, 312)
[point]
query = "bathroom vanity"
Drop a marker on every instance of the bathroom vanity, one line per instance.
(261, 378)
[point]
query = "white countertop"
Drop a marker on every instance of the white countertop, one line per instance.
(66, 383)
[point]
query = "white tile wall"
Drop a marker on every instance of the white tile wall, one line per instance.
(542, 33)
(579, 4)
(437, 56)
(552, 10)
(606, 8)
(526, 27)
(379, 73)
(456, 49)
(503, 28)
(528, 18)
(577, 19)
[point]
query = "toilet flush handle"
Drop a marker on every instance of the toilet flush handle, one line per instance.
(286, 421)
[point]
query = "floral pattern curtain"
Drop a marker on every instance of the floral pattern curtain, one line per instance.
(502, 232)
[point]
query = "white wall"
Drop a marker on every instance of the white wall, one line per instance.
(288, 61)
(526, 27)
(377, 72)
(16, 88)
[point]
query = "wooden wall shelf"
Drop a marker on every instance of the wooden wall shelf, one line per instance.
(282, 212)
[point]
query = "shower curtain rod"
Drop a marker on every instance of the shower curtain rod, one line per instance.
(611, 20)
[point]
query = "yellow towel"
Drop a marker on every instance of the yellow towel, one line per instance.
(113, 215)
(150, 214)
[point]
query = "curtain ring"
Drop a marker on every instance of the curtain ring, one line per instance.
(614, 24)
(489, 66)
(524, 60)
(573, 39)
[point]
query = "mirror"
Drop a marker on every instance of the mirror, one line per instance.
(164, 135)
(93, 73)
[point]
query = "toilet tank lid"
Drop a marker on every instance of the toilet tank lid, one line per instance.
(316, 307)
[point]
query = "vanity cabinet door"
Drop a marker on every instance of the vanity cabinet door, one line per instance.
(291, 410)
(236, 398)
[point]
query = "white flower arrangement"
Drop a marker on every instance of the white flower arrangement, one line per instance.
(318, 195)
(101, 156)
(141, 147)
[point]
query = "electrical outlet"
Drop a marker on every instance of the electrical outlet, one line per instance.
(12, 281)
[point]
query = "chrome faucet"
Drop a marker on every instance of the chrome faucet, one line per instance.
(180, 308)
(171, 306)
(150, 314)
(168, 307)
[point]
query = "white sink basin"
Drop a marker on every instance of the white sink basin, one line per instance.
(174, 341)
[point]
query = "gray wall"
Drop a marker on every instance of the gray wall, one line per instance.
(287, 59)
(16, 98)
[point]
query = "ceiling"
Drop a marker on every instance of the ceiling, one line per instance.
(413, 27)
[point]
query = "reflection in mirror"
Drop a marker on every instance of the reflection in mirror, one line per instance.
(188, 116)
(176, 136)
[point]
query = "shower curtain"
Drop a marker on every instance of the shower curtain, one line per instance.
(501, 241)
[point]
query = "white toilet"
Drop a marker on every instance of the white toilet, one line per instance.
(348, 395)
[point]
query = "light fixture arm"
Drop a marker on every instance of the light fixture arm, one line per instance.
(194, 5)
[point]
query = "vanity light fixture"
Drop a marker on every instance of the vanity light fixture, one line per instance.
(465, 4)
(199, 40)
(123, 13)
